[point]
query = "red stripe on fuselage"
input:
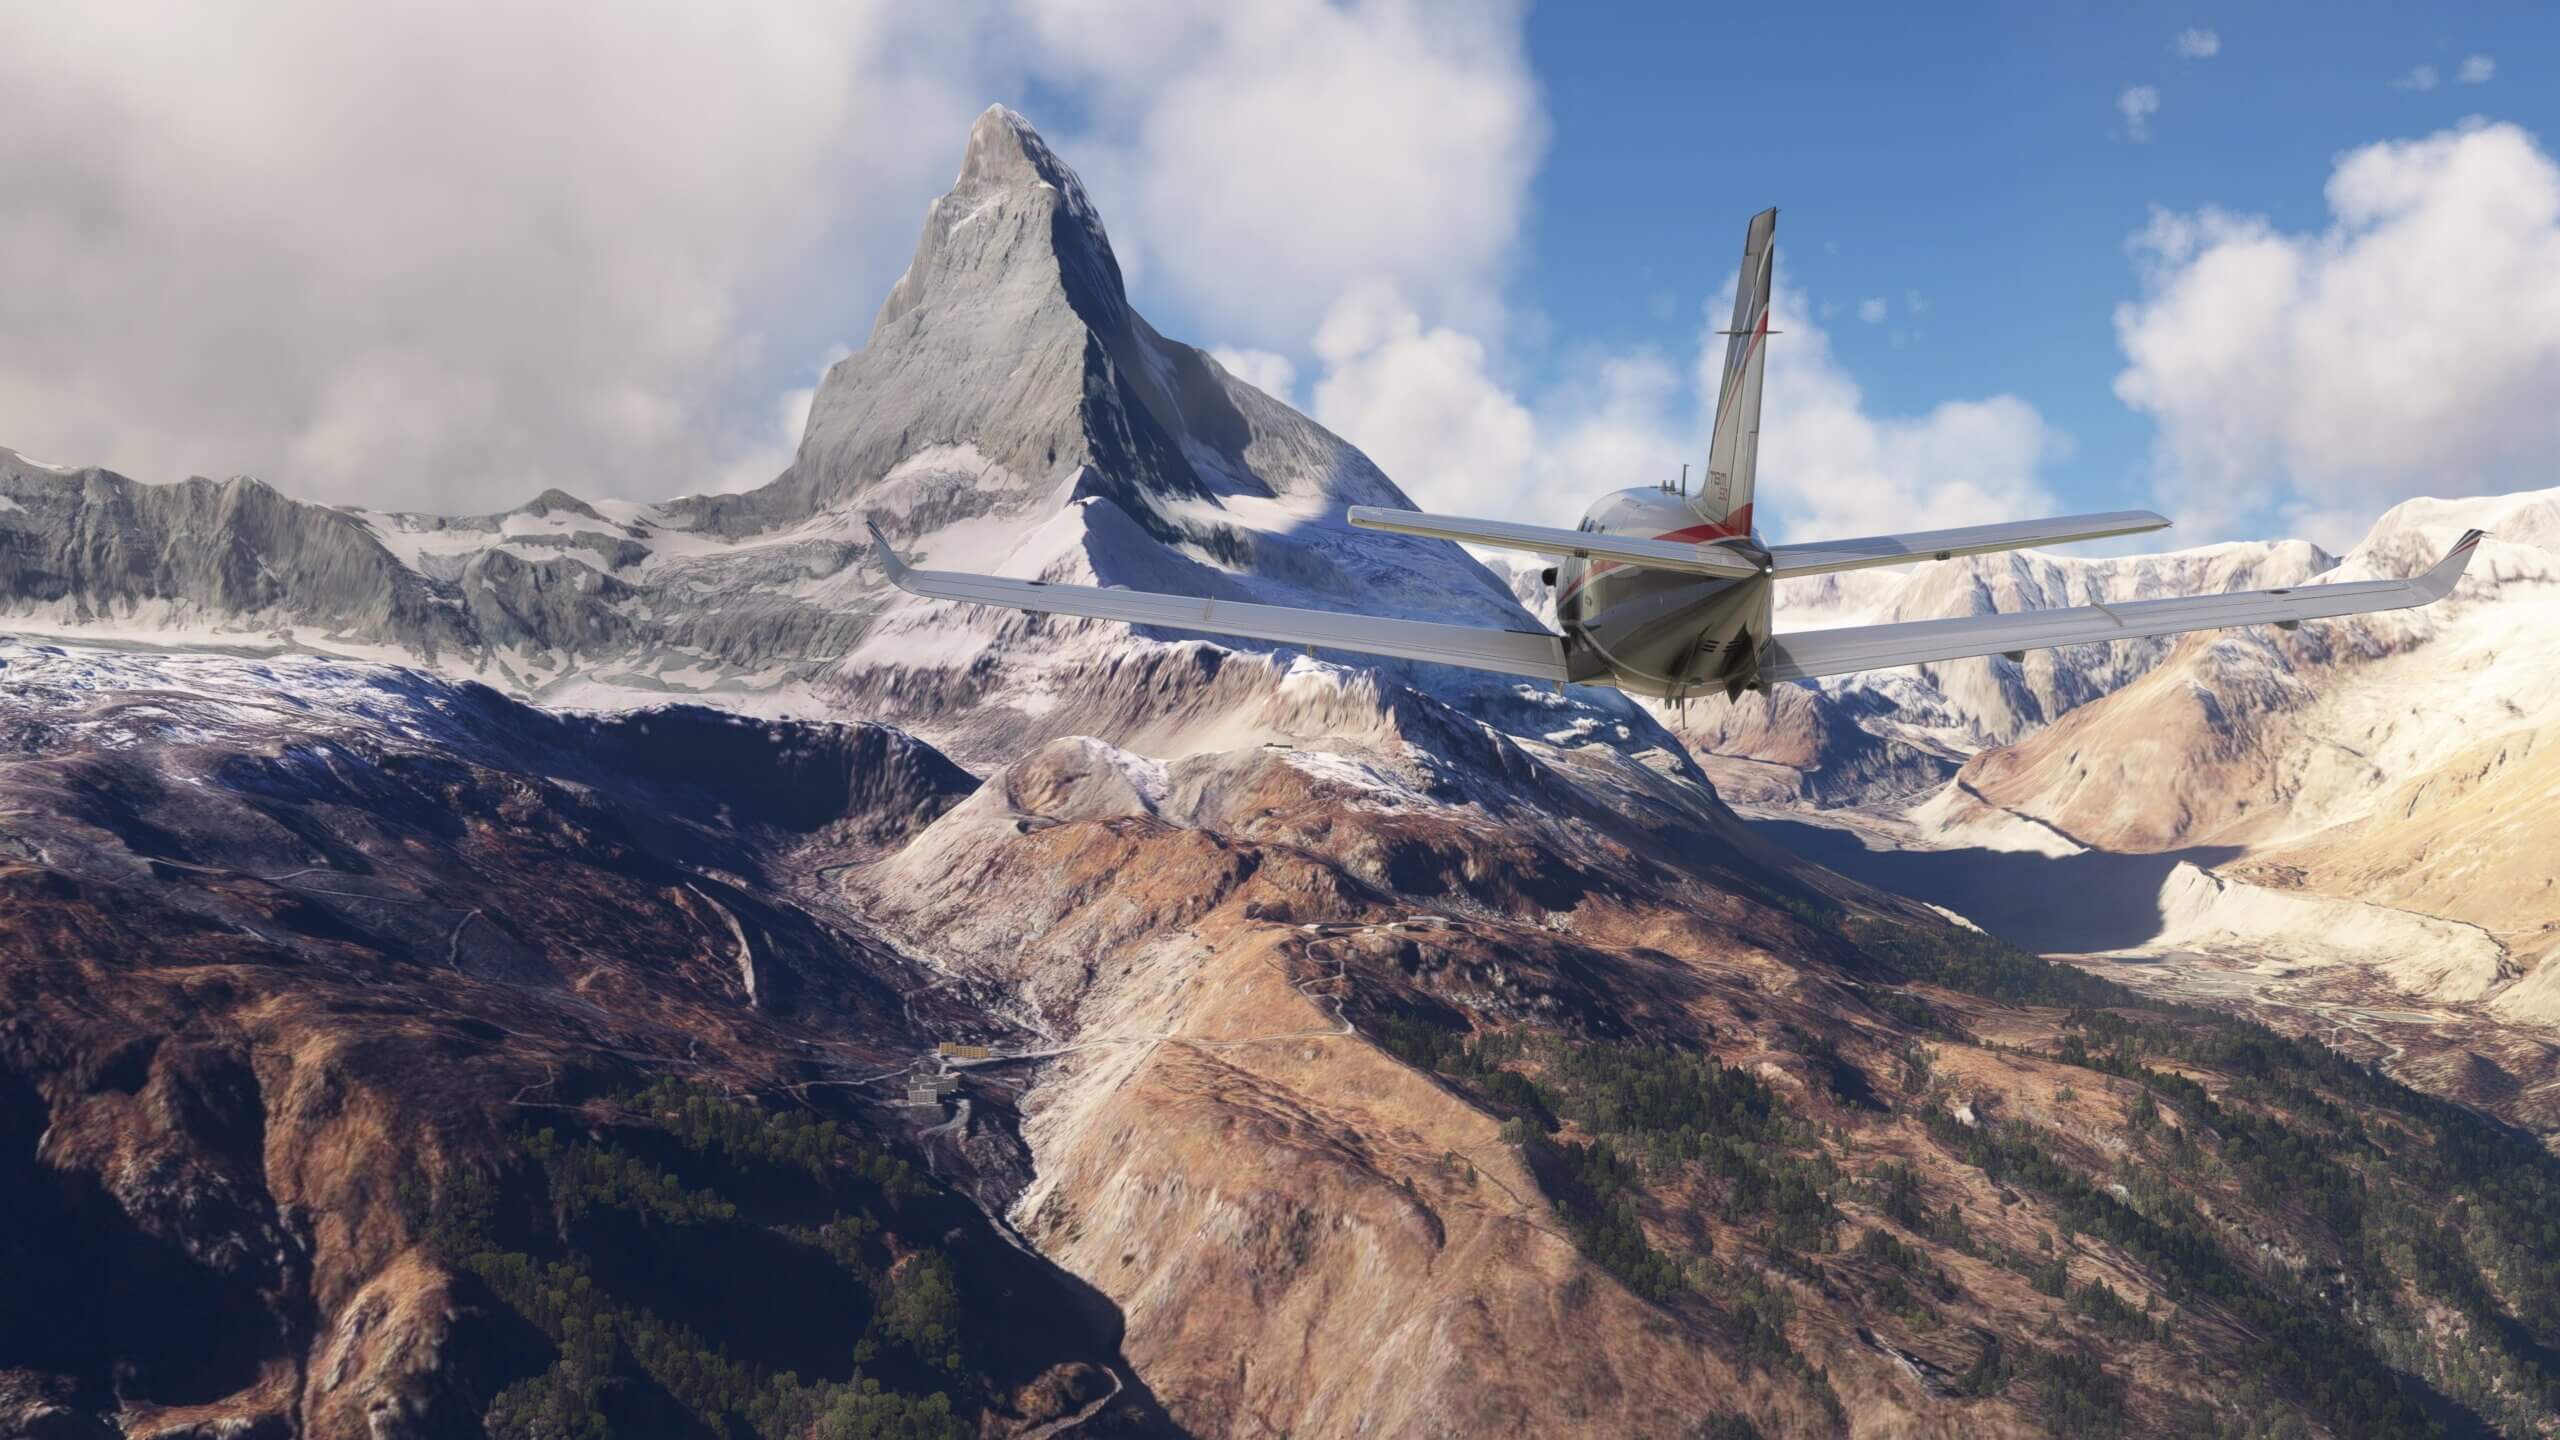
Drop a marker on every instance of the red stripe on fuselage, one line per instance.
(1736, 526)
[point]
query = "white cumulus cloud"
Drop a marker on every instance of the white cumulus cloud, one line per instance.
(1423, 402)
(1436, 410)
(2198, 44)
(443, 255)
(1873, 309)
(759, 463)
(2411, 346)
(2477, 70)
(1262, 160)
(1831, 467)
(2138, 104)
(2421, 77)
(1273, 374)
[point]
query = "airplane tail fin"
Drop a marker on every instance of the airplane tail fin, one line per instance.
(1725, 499)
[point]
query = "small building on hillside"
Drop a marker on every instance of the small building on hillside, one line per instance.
(927, 1089)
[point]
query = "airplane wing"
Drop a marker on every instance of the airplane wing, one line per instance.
(1827, 555)
(1881, 647)
(1532, 653)
(1505, 535)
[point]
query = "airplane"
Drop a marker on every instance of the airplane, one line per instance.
(1665, 593)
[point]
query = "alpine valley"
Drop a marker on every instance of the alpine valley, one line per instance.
(611, 968)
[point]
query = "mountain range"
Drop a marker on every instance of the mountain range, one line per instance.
(621, 968)
(1011, 411)
(2341, 828)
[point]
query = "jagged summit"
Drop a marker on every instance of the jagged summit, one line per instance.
(1008, 382)
(1008, 374)
(1005, 150)
(1008, 166)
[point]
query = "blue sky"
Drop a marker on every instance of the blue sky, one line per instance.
(1975, 155)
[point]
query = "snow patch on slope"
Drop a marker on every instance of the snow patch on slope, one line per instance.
(2427, 957)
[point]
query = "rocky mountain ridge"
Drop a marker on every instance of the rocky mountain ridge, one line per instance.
(2392, 762)
(1459, 1082)
(2337, 829)
(1011, 412)
(1866, 739)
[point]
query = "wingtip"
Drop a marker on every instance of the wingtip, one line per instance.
(2442, 576)
(889, 557)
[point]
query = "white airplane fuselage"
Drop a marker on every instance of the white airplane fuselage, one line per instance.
(1663, 632)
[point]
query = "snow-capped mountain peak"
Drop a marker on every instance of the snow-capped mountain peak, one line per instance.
(1012, 412)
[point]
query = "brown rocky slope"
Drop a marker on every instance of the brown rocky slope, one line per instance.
(1425, 1081)
(295, 975)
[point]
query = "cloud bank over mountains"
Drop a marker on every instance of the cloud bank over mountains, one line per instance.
(1266, 159)
(443, 257)
(2411, 346)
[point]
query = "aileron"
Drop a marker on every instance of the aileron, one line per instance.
(1811, 654)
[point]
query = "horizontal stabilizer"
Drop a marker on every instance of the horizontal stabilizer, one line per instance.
(1827, 555)
(1653, 554)
(1814, 653)
(1532, 653)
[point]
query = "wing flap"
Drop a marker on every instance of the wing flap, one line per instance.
(1823, 556)
(1815, 653)
(1708, 559)
(1532, 653)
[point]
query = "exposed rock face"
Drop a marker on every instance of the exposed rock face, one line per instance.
(1887, 737)
(1217, 949)
(89, 546)
(292, 947)
(2358, 850)
(1798, 745)
(1011, 334)
(2384, 759)
(298, 947)
(1238, 1165)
